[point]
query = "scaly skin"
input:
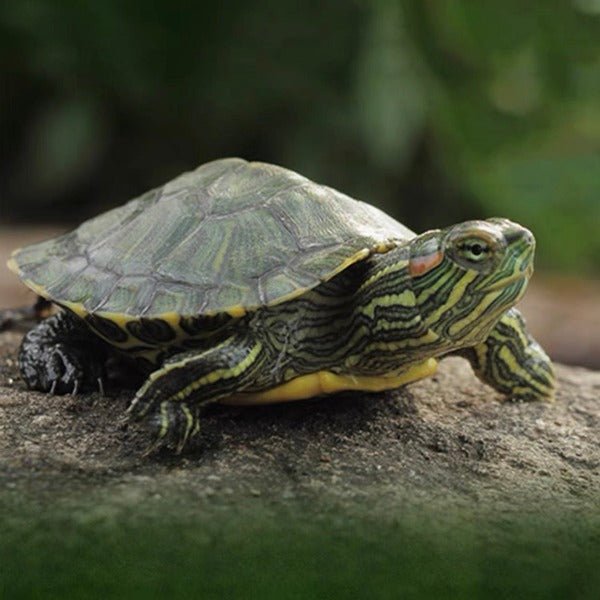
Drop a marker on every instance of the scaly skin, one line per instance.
(443, 292)
(60, 356)
(512, 362)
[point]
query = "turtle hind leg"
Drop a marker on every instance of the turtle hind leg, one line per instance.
(512, 362)
(171, 398)
(61, 355)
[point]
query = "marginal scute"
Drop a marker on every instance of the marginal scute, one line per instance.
(152, 331)
(107, 329)
(230, 236)
(202, 324)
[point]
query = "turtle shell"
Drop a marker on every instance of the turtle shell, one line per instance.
(228, 237)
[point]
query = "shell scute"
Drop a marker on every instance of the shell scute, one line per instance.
(230, 236)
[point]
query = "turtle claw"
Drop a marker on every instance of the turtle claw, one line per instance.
(57, 357)
(173, 426)
(58, 370)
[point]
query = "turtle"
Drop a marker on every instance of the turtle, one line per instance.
(246, 283)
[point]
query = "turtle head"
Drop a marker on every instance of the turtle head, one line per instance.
(466, 276)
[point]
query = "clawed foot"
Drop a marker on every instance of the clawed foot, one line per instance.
(60, 356)
(172, 426)
(60, 369)
(512, 362)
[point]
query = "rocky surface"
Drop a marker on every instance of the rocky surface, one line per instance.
(447, 441)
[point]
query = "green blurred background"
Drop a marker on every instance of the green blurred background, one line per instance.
(436, 110)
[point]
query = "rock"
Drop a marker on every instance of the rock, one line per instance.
(436, 487)
(448, 439)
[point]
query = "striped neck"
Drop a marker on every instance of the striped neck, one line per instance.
(391, 329)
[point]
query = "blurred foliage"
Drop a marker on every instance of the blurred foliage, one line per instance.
(437, 110)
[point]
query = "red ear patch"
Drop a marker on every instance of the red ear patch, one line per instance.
(419, 265)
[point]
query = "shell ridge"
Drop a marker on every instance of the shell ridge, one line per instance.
(239, 167)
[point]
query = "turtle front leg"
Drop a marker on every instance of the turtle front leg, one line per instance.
(61, 355)
(172, 396)
(512, 362)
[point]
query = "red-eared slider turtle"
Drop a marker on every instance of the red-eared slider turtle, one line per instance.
(247, 283)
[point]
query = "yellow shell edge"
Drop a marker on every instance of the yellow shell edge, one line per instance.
(11, 263)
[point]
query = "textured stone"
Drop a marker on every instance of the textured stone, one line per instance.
(447, 441)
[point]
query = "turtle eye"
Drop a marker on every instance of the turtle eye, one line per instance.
(474, 250)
